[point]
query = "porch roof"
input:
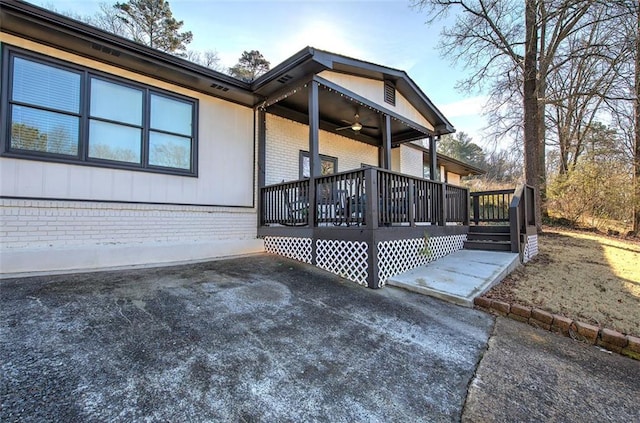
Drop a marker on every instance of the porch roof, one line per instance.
(284, 92)
(450, 164)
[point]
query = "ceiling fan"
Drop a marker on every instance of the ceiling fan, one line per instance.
(356, 125)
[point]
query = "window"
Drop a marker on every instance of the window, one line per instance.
(328, 165)
(61, 112)
(390, 93)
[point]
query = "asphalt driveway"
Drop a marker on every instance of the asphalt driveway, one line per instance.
(252, 339)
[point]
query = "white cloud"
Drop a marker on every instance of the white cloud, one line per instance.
(472, 106)
(319, 33)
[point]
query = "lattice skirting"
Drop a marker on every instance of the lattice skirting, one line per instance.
(530, 248)
(395, 257)
(344, 258)
(295, 248)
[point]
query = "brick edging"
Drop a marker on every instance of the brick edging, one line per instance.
(606, 338)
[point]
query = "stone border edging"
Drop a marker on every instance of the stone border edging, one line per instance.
(594, 335)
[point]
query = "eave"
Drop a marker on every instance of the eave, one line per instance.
(42, 26)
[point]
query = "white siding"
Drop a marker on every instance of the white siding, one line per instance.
(85, 217)
(411, 161)
(373, 89)
(453, 178)
(225, 153)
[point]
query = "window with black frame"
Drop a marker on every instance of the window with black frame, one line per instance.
(62, 112)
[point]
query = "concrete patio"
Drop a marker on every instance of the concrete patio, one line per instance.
(252, 339)
(265, 339)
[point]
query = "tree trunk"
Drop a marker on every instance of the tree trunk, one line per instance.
(636, 163)
(531, 119)
(542, 152)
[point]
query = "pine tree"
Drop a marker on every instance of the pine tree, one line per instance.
(151, 22)
(251, 65)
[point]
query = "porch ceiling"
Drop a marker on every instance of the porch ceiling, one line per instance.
(337, 108)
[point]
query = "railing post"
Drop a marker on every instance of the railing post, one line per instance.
(467, 198)
(372, 222)
(476, 209)
(442, 213)
(411, 200)
(371, 190)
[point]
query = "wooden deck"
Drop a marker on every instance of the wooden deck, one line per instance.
(369, 224)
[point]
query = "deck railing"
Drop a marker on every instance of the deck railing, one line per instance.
(285, 204)
(365, 197)
(491, 206)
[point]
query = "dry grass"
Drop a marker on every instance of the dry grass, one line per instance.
(583, 276)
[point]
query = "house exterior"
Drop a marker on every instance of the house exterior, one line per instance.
(114, 154)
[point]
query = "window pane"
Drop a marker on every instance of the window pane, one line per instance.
(171, 115)
(114, 142)
(306, 172)
(327, 166)
(169, 151)
(45, 86)
(116, 102)
(48, 132)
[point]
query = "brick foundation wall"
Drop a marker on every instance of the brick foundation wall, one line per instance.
(51, 223)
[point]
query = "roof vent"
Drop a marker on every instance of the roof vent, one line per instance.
(285, 78)
(219, 87)
(389, 93)
(105, 49)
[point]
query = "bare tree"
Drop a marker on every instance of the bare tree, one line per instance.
(107, 18)
(493, 38)
(208, 58)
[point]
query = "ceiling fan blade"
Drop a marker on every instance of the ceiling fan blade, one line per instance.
(346, 121)
(343, 128)
(369, 127)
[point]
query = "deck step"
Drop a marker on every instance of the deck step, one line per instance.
(490, 229)
(488, 236)
(488, 245)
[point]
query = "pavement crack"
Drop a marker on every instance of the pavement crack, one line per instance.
(37, 300)
(122, 314)
(473, 377)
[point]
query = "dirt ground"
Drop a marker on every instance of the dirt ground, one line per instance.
(583, 276)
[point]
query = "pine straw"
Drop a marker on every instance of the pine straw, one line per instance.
(584, 276)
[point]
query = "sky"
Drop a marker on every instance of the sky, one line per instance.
(386, 32)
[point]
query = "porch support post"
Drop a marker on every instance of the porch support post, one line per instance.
(314, 161)
(262, 160)
(371, 226)
(385, 151)
(433, 166)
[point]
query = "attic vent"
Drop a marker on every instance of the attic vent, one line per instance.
(285, 78)
(390, 93)
(219, 87)
(105, 49)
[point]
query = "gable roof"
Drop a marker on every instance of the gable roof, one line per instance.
(309, 61)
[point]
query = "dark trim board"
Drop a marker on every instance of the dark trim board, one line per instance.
(149, 203)
(362, 233)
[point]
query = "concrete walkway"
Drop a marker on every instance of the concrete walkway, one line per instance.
(533, 375)
(460, 276)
